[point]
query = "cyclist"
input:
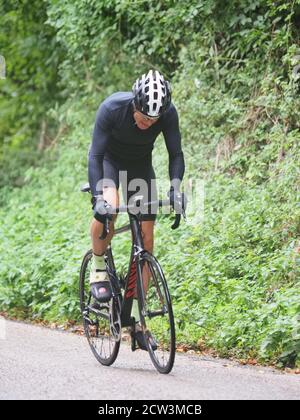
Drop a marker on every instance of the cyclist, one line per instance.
(126, 127)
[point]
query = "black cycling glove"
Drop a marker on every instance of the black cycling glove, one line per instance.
(102, 209)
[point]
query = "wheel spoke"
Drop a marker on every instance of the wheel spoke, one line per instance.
(157, 316)
(100, 320)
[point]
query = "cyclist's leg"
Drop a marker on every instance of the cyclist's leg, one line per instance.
(148, 234)
(98, 276)
(148, 189)
(99, 246)
(148, 239)
(141, 181)
(111, 195)
(138, 183)
(148, 219)
(147, 228)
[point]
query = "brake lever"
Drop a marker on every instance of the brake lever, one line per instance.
(177, 221)
(105, 231)
(178, 218)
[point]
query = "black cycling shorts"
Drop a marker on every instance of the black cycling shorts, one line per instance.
(137, 179)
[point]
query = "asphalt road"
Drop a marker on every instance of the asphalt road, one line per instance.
(39, 363)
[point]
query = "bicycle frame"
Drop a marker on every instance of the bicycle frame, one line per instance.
(137, 250)
(132, 275)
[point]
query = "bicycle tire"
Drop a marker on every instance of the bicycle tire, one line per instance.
(91, 319)
(156, 313)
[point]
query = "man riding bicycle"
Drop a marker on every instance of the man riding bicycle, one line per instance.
(126, 127)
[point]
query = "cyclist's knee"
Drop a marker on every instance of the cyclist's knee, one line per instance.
(111, 195)
(97, 226)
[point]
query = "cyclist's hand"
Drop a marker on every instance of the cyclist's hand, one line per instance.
(178, 200)
(101, 208)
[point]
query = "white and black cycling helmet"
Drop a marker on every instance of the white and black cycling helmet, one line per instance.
(152, 94)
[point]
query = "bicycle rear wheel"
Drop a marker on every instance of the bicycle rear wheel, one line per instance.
(156, 314)
(101, 321)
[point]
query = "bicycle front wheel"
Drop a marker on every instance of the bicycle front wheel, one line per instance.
(101, 321)
(156, 313)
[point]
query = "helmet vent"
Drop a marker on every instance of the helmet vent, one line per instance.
(152, 94)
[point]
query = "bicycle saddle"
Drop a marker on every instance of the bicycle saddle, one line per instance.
(85, 187)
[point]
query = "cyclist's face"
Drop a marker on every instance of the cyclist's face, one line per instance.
(142, 121)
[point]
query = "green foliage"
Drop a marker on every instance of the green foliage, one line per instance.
(32, 56)
(234, 278)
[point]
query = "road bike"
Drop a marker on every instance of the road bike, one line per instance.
(104, 322)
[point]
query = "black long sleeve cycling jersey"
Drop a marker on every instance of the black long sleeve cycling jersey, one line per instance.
(117, 135)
